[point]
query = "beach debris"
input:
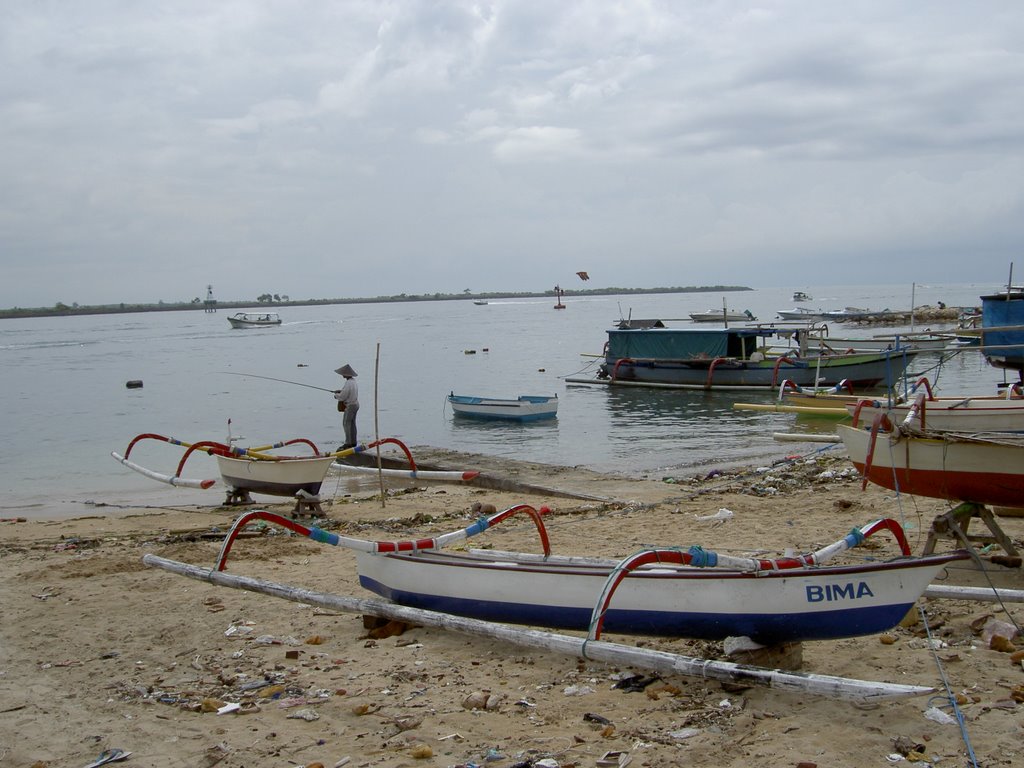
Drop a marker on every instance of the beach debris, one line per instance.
(109, 756)
(721, 514)
(614, 760)
(685, 733)
(936, 715)
(635, 683)
(482, 700)
(996, 634)
(308, 715)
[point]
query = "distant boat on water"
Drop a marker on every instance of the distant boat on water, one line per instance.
(254, 319)
(722, 316)
(801, 296)
(523, 408)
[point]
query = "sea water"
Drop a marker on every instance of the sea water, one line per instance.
(67, 405)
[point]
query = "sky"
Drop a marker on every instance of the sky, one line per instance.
(356, 148)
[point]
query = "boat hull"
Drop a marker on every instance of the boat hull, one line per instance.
(525, 408)
(819, 603)
(866, 370)
(943, 467)
(251, 320)
(967, 415)
(275, 478)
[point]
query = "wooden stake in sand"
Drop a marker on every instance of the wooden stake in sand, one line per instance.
(595, 650)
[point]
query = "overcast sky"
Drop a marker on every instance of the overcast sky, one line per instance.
(358, 149)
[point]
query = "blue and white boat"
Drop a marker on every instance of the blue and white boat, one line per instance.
(666, 592)
(1002, 328)
(523, 408)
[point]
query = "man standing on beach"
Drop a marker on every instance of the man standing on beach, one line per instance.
(348, 403)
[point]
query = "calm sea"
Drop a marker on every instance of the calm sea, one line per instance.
(67, 405)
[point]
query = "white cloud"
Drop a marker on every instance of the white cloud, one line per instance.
(348, 148)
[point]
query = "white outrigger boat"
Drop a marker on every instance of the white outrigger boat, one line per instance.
(794, 597)
(257, 470)
(672, 592)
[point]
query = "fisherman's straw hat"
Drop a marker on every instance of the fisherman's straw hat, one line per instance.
(346, 370)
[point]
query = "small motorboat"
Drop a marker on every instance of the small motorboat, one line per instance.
(722, 316)
(523, 408)
(254, 319)
(801, 296)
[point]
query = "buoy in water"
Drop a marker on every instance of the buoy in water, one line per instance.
(134, 384)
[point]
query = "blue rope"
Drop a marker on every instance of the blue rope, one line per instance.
(949, 693)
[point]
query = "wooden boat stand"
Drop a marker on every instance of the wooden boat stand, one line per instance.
(956, 523)
(307, 504)
(237, 497)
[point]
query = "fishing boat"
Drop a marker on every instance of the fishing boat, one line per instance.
(254, 319)
(722, 316)
(523, 408)
(970, 414)
(983, 468)
(734, 358)
(801, 314)
(801, 296)
(256, 469)
(693, 593)
(1002, 328)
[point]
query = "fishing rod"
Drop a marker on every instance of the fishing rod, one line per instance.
(283, 381)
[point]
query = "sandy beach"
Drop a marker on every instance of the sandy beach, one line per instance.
(100, 652)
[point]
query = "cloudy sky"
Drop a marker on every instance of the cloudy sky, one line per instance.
(368, 148)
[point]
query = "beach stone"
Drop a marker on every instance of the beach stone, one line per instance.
(786, 656)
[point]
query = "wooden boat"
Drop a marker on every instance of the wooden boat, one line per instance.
(819, 339)
(801, 314)
(722, 316)
(1002, 328)
(673, 593)
(970, 414)
(255, 470)
(734, 358)
(523, 408)
(287, 476)
(254, 319)
(693, 593)
(984, 468)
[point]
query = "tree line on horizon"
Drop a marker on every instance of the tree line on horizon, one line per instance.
(275, 299)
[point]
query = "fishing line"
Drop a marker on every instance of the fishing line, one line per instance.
(283, 381)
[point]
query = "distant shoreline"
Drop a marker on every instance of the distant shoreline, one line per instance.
(63, 310)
